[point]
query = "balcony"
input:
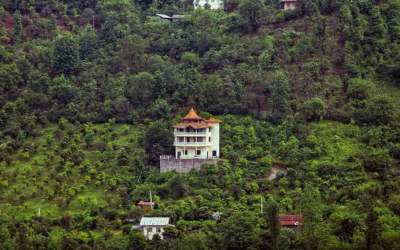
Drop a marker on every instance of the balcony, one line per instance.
(192, 144)
(194, 134)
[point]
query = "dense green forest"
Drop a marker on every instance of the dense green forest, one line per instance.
(89, 91)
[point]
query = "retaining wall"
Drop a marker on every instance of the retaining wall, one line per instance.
(183, 165)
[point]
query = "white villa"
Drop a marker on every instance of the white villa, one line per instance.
(151, 226)
(214, 4)
(196, 137)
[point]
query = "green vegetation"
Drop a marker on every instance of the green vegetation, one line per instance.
(89, 91)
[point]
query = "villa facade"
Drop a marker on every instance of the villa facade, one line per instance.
(196, 142)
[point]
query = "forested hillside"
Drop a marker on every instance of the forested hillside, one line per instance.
(89, 91)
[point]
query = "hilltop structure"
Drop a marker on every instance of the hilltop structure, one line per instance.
(196, 143)
(213, 4)
(289, 4)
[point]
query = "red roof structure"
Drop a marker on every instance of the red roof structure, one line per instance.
(291, 220)
(145, 203)
(192, 119)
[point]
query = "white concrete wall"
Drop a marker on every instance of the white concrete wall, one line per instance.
(149, 232)
(289, 6)
(215, 140)
(206, 147)
(214, 4)
(191, 152)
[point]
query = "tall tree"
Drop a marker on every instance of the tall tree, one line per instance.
(273, 222)
(280, 94)
(17, 27)
(371, 235)
(65, 55)
(252, 11)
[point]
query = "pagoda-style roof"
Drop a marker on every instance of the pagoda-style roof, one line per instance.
(192, 116)
(192, 119)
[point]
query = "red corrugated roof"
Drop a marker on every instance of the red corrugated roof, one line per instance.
(291, 220)
(145, 203)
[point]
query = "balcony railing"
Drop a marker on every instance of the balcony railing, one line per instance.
(178, 133)
(192, 144)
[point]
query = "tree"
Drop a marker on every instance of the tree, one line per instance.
(314, 109)
(65, 55)
(312, 212)
(372, 232)
(158, 141)
(378, 110)
(240, 231)
(252, 11)
(88, 43)
(267, 56)
(17, 27)
(280, 94)
(273, 222)
(358, 89)
(160, 110)
(136, 240)
(139, 89)
(132, 52)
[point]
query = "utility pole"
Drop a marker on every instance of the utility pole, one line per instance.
(93, 21)
(39, 212)
(151, 201)
(261, 205)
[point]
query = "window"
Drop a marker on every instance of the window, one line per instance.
(158, 229)
(186, 152)
(198, 152)
(214, 153)
(209, 139)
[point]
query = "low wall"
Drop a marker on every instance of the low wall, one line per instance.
(183, 165)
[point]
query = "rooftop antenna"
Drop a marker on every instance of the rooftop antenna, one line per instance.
(151, 201)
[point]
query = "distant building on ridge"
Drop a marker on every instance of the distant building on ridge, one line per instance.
(213, 4)
(289, 4)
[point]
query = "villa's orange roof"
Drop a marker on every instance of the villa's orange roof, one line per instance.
(213, 120)
(192, 115)
(201, 124)
(192, 119)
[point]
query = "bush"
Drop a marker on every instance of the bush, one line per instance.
(314, 109)
(358, 89)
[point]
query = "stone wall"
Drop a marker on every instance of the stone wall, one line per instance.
(183, 165)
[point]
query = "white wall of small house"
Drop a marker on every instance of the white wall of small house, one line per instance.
(150, 231)
(289, 6)
(214, 4)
